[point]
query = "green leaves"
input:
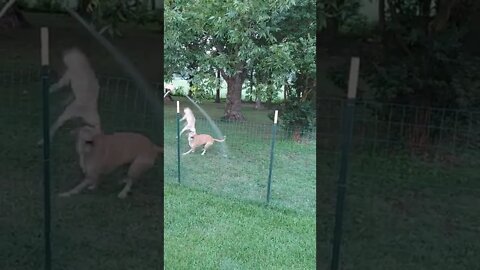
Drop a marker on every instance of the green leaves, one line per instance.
(245, 34)
(107, 14)
(298, 115)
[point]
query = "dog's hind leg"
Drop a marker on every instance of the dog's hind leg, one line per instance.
(207, 145)
(81, 158)
(137, 168)
(70, 112)
(183, 130)
(126, 188)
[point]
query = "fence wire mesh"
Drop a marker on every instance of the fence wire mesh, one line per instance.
(413, 187)
(92, 230)
(243, 174)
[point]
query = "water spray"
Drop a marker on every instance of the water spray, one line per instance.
(6, 7)
(167, 93)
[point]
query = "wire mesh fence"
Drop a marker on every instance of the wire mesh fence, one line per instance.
(413, 186)
(94, 229)
(95, 224)
(239, 167)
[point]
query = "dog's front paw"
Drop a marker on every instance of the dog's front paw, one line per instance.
(122, 195)
(64, 194)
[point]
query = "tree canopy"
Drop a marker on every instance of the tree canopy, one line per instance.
(422, 59)
(275, 38)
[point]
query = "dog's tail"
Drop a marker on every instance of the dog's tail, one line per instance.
(218, 140)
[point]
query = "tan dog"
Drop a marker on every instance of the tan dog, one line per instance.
(102, 153)
(196, 140)
(190, 118)
(83, 101)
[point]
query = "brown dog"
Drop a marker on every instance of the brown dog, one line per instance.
(102, 153)
(196, 140)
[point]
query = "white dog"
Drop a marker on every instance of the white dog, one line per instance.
(190, 118)
(81, 77)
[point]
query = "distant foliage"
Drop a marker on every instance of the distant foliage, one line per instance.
(298, 116)
(421, 60)
(108, 14)
(424, 62)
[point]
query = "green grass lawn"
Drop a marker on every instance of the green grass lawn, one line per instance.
(211, 232)
(217, 217)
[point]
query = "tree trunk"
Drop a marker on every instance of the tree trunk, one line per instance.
(251, 85)
(234, 96)
(333, 23)
(381, 15)
(331, 29)
(82, 9)
(314, 91)
(440, 22)
(13, 18)
(297, 134)
(269, 95)
(82, 6)
(190, 92)
(258, 101)
(217, 96)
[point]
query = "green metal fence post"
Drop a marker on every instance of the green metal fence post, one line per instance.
(346, 143)
(178, 140)
(274, 131)
(46, 148)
